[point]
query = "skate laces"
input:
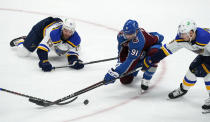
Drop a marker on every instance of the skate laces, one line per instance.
(177, 92)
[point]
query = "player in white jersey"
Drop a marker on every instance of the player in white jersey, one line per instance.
(197, 40)
(51, 34)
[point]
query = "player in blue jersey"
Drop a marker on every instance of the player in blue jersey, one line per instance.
(51, 34)
(134, 44)
(197, 40)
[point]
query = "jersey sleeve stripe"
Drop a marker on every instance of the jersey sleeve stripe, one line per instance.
(72, 44)
(56, 42)
(165, 51)
(179, 40)
(200, 44)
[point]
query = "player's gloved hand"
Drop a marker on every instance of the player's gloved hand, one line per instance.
(45, 65)
(75, 62)
(111, 76)
(147, 63)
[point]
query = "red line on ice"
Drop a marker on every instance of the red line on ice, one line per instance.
(163, 68)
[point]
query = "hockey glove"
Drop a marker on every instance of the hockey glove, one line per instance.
(75, 62)
(45, 65)
(111, 76)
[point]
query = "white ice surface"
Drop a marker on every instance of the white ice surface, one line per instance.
(97, 23)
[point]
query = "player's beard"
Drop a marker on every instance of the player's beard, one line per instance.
(64, 37)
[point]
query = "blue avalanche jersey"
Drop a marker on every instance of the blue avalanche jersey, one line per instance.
(135, 50)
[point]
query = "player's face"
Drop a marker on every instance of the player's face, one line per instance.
(67, 33)
(188, 36)
(185, 36)
(130, 36)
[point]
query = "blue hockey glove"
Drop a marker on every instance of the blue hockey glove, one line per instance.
(111, 76)
(75, 62)
(45, 65)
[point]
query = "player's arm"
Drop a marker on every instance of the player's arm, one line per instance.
(134, 53)
(73, 58)
(73, 53)
(166, 50)
(42, 52)
(50, 39)
(121, 47)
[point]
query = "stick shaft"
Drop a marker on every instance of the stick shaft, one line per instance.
(91, 62)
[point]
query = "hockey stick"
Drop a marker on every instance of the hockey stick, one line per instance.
(76, 94)
(91, 62)
(39, 101)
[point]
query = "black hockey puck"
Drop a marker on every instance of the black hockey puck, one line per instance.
(86, 102)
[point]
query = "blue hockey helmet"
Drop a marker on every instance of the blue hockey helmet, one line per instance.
(136, 24)
(130, 26)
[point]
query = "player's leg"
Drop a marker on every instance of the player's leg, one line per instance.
(122, 57)
(129, 79)
(147, 76)
(195, 70)
(28, 44)
(188, 81)
(206, 105)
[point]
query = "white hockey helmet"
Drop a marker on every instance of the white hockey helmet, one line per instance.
(69, 24)
(186, 26)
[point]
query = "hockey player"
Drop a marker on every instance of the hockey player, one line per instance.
(197, 40)
(51, 33)
(134, 44)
